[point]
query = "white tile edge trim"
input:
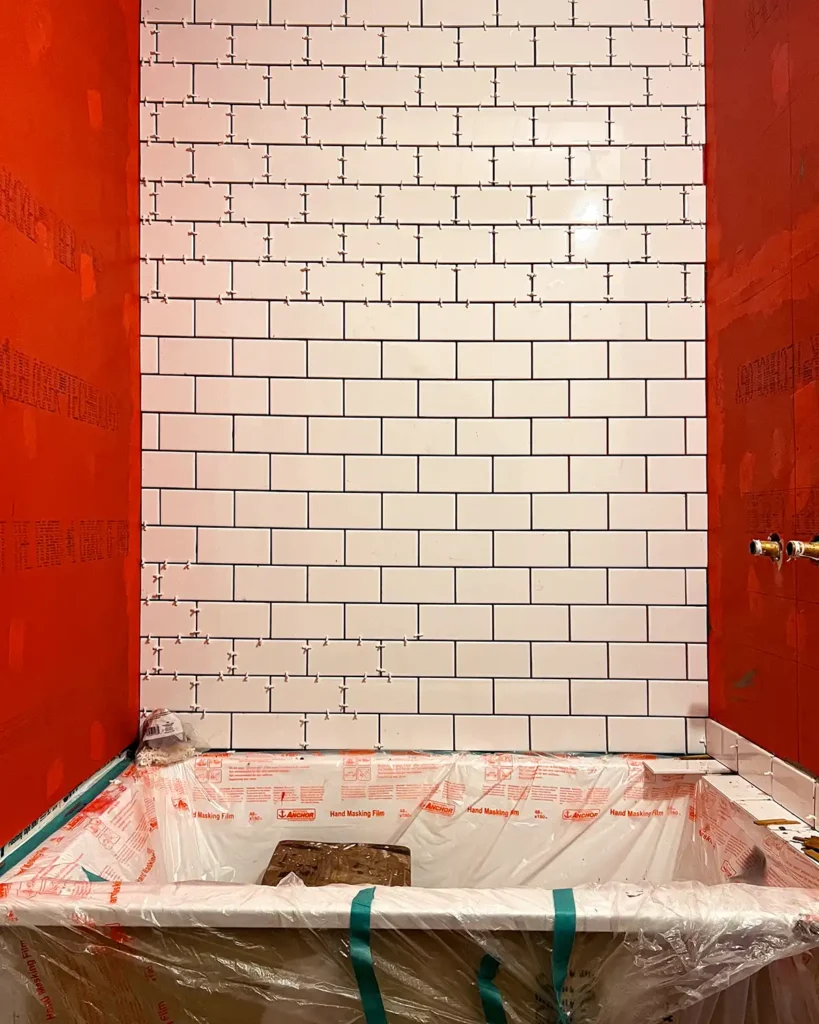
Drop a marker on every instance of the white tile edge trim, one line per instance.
(724, 745)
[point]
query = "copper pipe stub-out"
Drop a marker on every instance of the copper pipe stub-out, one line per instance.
(801, 549)
(770, 548)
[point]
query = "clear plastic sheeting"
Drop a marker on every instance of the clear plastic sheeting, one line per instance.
(549, 890)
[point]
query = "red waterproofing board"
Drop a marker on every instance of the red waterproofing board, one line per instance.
(69, 399)
(762, 175)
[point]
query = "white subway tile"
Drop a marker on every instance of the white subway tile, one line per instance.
(660, 661)
(345, 435)
(646, 586)
(231, 395)
(167, 394)
(569, 511)
(270, 582)
(647, 436)
(608, 473)
(307, 472)
(609, 697)
(350, 358)
(492, 732)
(308, 397)
(454, 696)
(493, 659)
(271, 657)
(455, 398)
(696, 586)
(396, 696)
(194, 356)
(652, 735)
(231, 471)
(347, 511)
(419, 658)
(493, 437)
(343, 583)
(197, 508)
(417, 732)
(570, 436)
(342, 658)
(234, 619)
(599, 622)
(461, 473)
(569, 586)
(259, 508)
(456, 548)
(168, 469)
(491, 586)
(270, 357)
(419, 511)
(418, 585)
(570, 734)
(381, 621)
(237, 545)
(456, 622)
(380, 473)
(647, 511)
(307, 547)
(531, 696)
(382, 547)
(493, 511)
(527, 474)
(529, 548)
(198, 582)
(676, 697)
(573, 659)
(494, 360)
(576, 359)
(678, 550)
(420, 359)
(670, 624)
(532, 622)
(676, 398)
(418, 437)
(290, 621)
(278, 434)
(608, 548)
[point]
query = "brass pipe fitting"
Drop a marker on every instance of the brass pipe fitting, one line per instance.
(770, 548)
(801, 549)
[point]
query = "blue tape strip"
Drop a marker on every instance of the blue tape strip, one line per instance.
(70, 811)
(491, 998)
(565, 925)
(361, 955)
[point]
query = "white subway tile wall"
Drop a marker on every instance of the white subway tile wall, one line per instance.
(424, 372)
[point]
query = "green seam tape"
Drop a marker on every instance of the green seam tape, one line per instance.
(93, 877)
(491, 998)
(565, 924)
(70, 811)
(362, 956)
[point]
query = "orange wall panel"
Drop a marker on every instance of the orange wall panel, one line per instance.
(69, 399)
(762, 173)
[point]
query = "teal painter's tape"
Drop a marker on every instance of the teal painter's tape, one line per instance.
(361, 955)
(92, 877)
(565, 926)
(491, 999)
(70, 811)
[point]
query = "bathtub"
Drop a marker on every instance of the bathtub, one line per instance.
(545, 889)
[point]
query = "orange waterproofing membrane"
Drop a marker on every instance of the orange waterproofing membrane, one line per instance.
(69, 399)
(762, 173)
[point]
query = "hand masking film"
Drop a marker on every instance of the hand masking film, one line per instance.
(546, 890)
